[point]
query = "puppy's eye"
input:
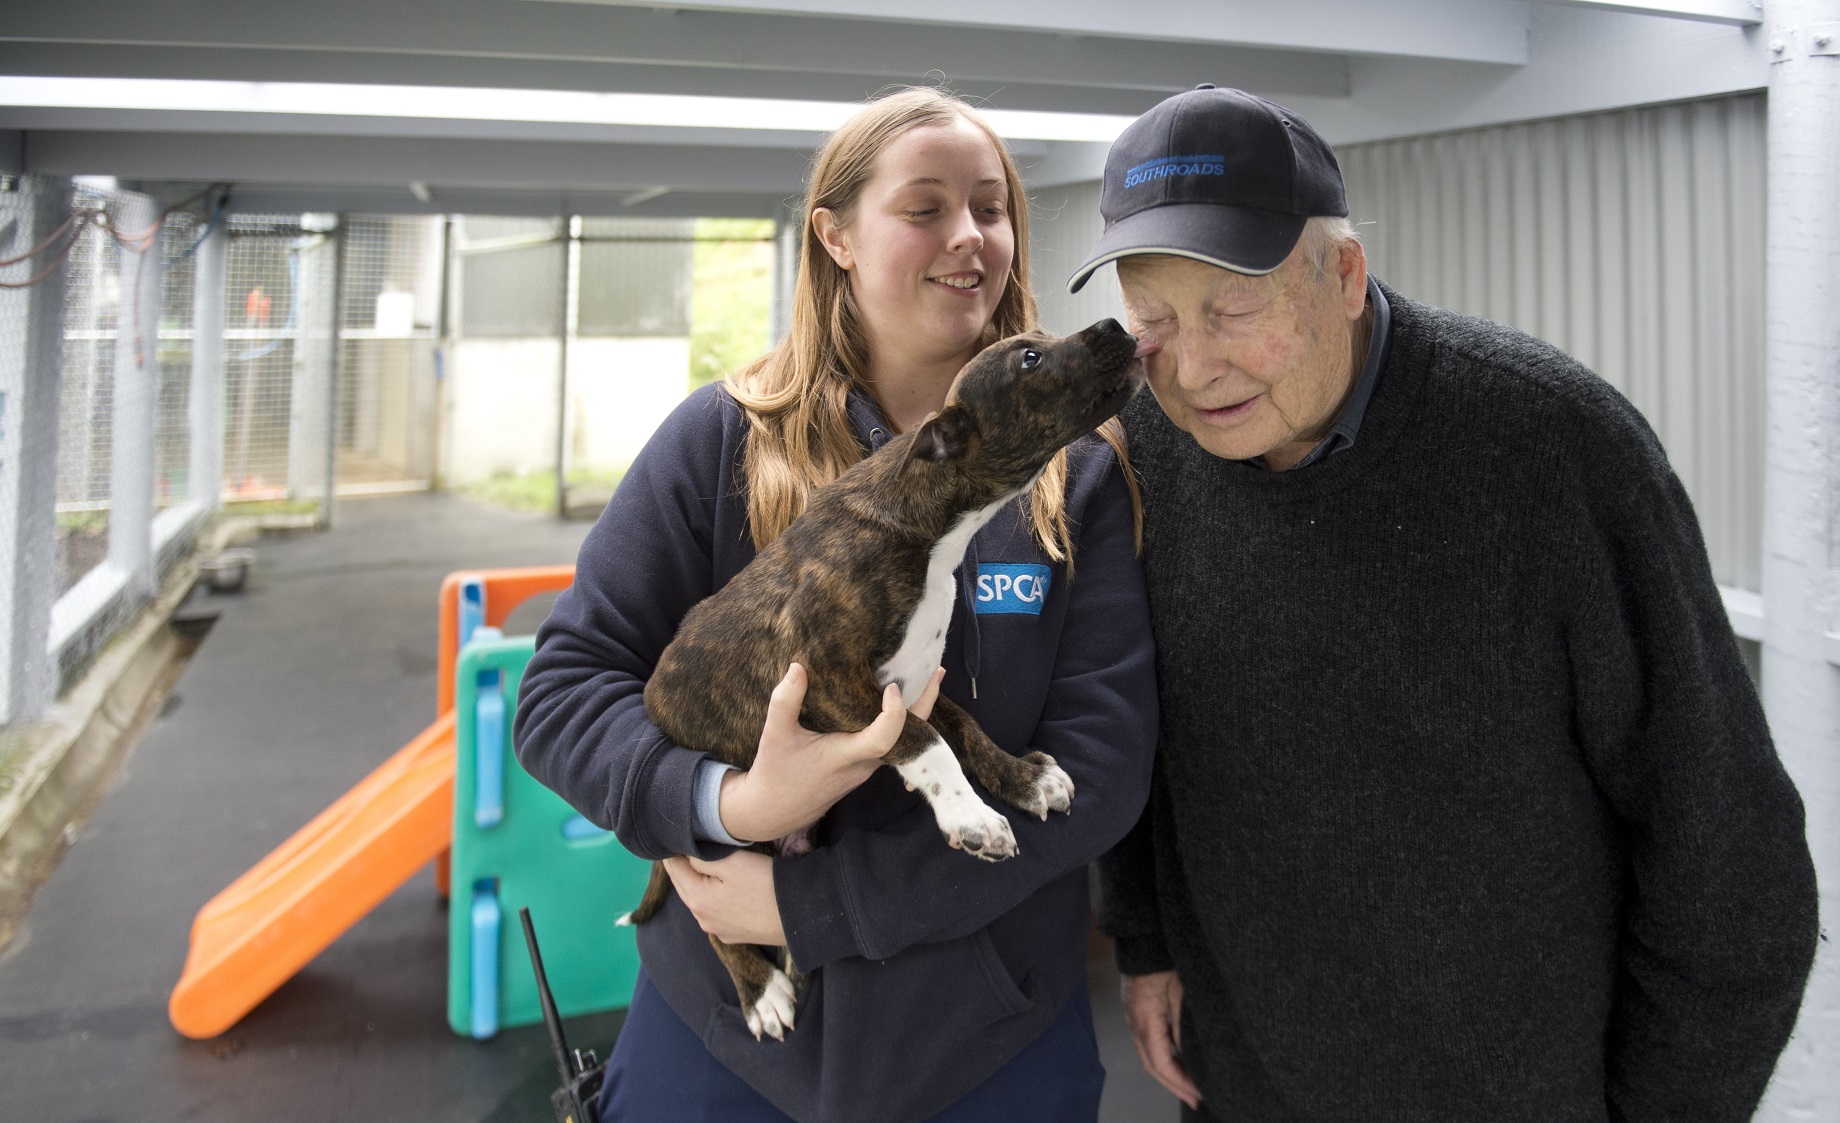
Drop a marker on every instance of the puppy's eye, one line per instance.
(1031, 360)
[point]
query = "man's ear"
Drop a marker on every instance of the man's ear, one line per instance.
(1351, 268)
(945, 435)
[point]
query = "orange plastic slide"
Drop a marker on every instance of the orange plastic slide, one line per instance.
(272, 921)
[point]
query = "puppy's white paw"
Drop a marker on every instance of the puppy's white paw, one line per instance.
(625, 920)
(771, 1013)
(1053, 789)
(966, 821)
(969, 824)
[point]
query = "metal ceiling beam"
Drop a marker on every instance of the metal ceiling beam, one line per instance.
(529, 45)
(394, 162)
(1272, 76)
(1738, 13)
(47, 118)
(1461, 30)
(353, 199)
(337, 109)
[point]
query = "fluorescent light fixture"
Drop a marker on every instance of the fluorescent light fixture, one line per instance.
(463, 103)
(644, 196)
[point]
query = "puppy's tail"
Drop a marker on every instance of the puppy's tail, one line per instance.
(652, 901)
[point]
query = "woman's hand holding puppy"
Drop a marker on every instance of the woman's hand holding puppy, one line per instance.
(797, 774)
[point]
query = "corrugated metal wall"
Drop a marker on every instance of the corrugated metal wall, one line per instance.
(1064, 225)
(1632, 239)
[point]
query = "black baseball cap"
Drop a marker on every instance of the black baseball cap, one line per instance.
(1218, 175)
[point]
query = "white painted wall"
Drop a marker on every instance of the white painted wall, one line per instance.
(620, 391)
(501, 408)
(501, 403)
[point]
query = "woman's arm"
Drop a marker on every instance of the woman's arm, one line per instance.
(873, 893)
(581, 727)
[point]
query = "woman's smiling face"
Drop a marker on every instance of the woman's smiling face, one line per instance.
(928, 244)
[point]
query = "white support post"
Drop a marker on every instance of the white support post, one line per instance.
(788, 237)
(137, 356)
(446, 323)
(207, 395)
(1801, 587)
(31, 360)
(570, 234)
(335, 355)
(308, 416)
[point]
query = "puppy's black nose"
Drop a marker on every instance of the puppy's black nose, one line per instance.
(1110, 345)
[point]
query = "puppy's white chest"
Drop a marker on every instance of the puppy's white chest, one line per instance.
(925, 638)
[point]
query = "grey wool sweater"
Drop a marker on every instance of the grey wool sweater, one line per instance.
(1465, 806)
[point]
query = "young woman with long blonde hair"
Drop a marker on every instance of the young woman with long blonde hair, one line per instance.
(941, 987)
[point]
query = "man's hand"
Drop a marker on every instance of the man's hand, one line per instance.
(732, 899)
(1153, 1006)
(797, 774)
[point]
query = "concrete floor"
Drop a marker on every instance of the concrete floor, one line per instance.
(312, 675)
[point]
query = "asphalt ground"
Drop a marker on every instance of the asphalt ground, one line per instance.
(318, 670)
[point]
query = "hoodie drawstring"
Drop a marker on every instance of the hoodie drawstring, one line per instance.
(974, 640)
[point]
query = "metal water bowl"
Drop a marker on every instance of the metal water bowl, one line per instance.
(226, 572)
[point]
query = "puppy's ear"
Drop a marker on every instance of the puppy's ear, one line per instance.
(944, 436)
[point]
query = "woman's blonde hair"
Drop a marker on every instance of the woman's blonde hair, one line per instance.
(797, 395)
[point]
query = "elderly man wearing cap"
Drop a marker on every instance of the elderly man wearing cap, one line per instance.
(1465, 806)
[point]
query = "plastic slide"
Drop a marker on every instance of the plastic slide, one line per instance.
(272, 921)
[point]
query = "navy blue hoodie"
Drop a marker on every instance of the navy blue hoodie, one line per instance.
(933, 969)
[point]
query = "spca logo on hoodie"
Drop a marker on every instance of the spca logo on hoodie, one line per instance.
(1011, 588)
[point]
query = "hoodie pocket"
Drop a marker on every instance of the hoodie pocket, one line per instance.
(1009, 996)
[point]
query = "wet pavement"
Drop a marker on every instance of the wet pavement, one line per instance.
(317, 671)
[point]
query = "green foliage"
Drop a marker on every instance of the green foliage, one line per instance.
(535, 492)
(732, 269)
(84, 522)
(527, 491)
(256, 508)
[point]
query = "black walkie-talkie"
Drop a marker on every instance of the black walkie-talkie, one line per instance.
(579, 1097)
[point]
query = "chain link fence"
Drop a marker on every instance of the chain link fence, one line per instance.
(34, 213)
(390, 319)
(525, 359)
(86, 406)
(280, 285)
(572, 340)
(172, 428)
(629, 351)
(503, 368)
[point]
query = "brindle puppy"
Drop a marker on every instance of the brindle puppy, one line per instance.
(859, 589)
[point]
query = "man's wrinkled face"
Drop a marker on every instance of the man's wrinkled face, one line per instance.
(1248, 366)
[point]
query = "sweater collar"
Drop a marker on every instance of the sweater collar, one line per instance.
(1348, 422)
(866, 420)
